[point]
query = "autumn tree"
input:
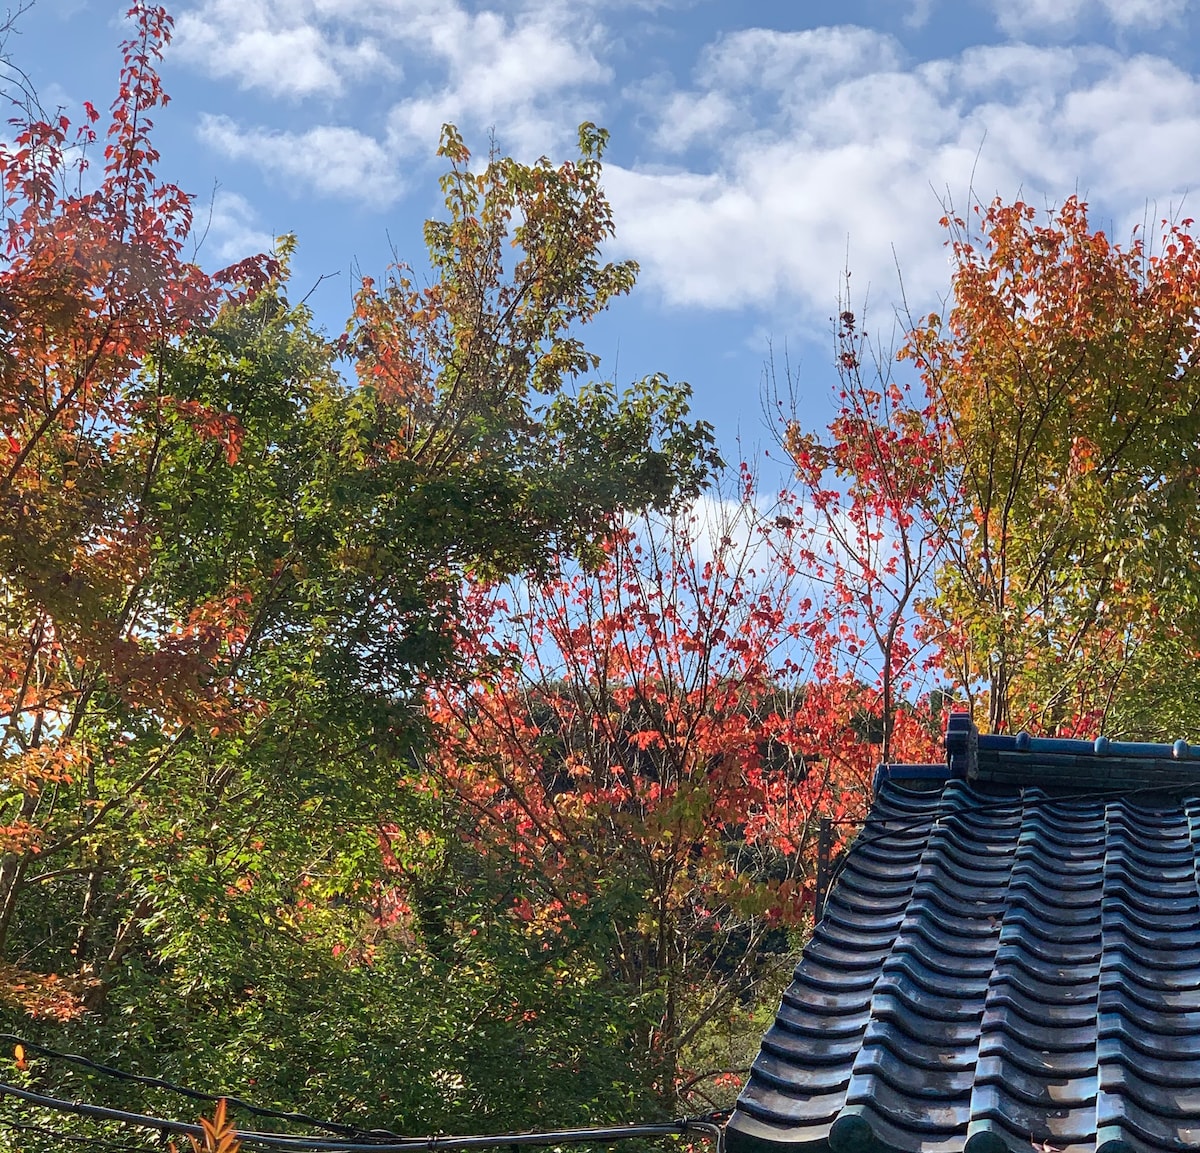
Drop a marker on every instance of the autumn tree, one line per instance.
(471, 372)
(869, 513)
(646, 759)
(1043, 461)
(1066, 378)
(93, 283)
(227, 570)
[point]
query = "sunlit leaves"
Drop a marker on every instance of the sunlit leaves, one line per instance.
(870, 518)
(1066, 377)
(94, 280)
(220, 1134)
(646, 752)
(477, 381)
(1033, 501)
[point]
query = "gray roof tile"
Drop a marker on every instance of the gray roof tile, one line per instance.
(1009, 960)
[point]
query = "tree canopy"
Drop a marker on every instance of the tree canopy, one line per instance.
(228, 571)
(411, 692)
(1037, 476)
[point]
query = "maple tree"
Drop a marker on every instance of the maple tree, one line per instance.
(92, 283)
(646, 756)
(470, 372)
(227, 571)
(1027, 503)
(869, 503)
(1065, 376)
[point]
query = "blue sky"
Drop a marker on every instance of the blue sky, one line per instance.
(756, 147)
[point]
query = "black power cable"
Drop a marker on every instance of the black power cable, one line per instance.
(76, 1138)
(381, 1144)
(193, 1094)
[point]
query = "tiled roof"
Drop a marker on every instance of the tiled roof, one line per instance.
(1010, 957)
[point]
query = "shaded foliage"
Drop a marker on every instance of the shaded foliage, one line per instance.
(645, 760)
(227, 572)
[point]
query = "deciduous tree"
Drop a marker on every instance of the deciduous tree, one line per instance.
(1028, 502)
(92, 283)
(227, 570)
(870, 514)
(1065, 376)
(646, 759)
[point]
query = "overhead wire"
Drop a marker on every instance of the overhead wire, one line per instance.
(381, 1144)
(194, 1094)
(75, 1138)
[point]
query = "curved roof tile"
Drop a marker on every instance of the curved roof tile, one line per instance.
(1009, 961)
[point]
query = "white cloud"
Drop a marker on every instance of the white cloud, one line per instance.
(720, 526)
(788, 152)
(268, 45)
(331, 160)
(230, 228)
(918, 13)
(693, 118)
(521, 70)
(799, 63)
(839, 143)
(1023, 17)
(517, 75)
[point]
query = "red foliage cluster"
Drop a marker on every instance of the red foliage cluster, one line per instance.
(665, 715)
(94, 285)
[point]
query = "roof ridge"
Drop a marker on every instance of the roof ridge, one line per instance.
(1054, 762)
